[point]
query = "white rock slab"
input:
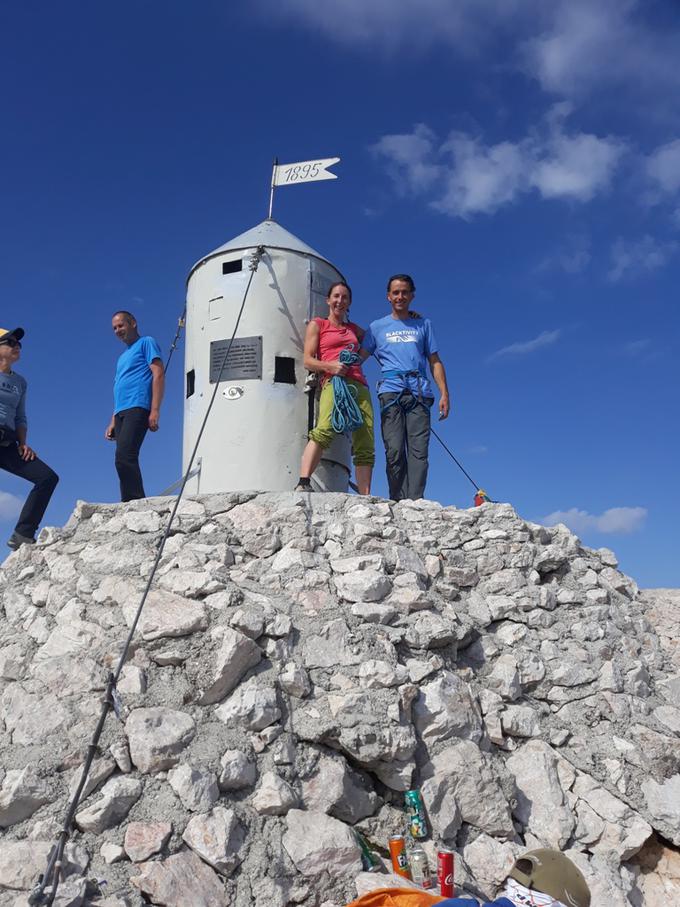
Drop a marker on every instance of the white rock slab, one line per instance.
(316, 843)
(157, 736)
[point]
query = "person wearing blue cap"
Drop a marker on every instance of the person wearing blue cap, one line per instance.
(16, 457)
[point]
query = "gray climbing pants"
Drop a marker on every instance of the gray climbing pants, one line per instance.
(406, 436)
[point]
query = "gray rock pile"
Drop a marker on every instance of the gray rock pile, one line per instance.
(301, 662)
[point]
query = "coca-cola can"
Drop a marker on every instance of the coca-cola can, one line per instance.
(445, 872)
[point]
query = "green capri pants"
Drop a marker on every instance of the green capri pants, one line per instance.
(363, 448)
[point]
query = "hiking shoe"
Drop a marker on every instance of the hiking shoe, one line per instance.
(301, 487)
(16, 540)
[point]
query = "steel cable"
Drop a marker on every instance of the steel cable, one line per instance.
(51, 876)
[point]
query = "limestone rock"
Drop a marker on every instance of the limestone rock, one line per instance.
(375, 674)
(336, 789)
(116, 799)
(166, 614)
(274, 796)
(541, 802)
(505, 679)
(445, 708)
(250, 705)
(464, 773)
(196, 787)
(490, 861)
(316, 843)
(236, 655)
(663, 802)
(112, 853)
(216, 838)
(21, 862)
(144, 839)
(363, 586)
(157, 736)
(237, 771)
(294, 680)
(179, 880)
(22, 793)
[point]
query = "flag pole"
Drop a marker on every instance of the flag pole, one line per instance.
(271, 192)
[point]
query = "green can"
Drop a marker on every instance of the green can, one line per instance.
(369, 860)
(415, 810)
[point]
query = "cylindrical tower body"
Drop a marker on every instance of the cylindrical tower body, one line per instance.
(258, 426)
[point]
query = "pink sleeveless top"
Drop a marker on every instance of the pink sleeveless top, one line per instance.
(333, 340)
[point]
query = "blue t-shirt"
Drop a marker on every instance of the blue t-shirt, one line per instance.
(12, 400)
(132, 385)
(403, 346)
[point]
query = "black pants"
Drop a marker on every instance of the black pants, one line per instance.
(406, 436)
(44, 482)
(130, 427)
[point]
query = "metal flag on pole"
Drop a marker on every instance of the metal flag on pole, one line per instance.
(300, 172)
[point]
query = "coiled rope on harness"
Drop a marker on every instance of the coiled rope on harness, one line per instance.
(346, 415)
(52, 875)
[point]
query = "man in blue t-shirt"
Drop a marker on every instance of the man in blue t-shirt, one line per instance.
(404, 345)
(137, 395)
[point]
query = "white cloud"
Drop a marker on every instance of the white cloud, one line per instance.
(572, 257)
(545, 338)
(569, 46)
(10, 505)
(411, 158)
(663, 167)
(463, 24)
(621, 520)
(631, 258)
(462, 176)
(635, 348)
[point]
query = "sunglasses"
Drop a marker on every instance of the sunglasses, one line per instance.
(11, 342)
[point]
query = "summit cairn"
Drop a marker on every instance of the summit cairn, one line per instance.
(302, 661)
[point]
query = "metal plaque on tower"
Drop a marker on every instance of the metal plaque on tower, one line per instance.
(245, 359)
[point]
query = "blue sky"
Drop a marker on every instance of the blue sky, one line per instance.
(520, 158)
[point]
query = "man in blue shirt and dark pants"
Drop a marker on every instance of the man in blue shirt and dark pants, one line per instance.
(404, 345)
(137, 394)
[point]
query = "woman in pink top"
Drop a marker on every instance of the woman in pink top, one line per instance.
(325, 339)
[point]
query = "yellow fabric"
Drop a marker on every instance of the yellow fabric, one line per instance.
(396, 897)
(363, 447)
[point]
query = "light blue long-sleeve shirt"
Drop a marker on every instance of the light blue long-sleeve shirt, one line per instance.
(12, 400)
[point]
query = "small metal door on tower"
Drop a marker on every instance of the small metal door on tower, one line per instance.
(258, 426)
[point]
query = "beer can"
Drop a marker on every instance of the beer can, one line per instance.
(399, 856)
(445, 872)
(420, 871)
(369, 860)
(415, 809)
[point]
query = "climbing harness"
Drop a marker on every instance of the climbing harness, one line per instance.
(346, 416)
(406, 405)
(52, 875)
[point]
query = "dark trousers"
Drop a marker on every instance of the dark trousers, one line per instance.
(44, 482)
(130, 427)
(406, 436)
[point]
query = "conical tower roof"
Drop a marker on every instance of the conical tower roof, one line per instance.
(268, 233)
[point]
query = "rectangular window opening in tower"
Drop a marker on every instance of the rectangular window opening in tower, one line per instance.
(284, 370)
(231, 267)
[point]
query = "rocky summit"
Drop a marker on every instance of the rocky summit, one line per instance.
(301, 662)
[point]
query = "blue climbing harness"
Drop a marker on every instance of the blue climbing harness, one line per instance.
(406, 405)
(346, 415)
